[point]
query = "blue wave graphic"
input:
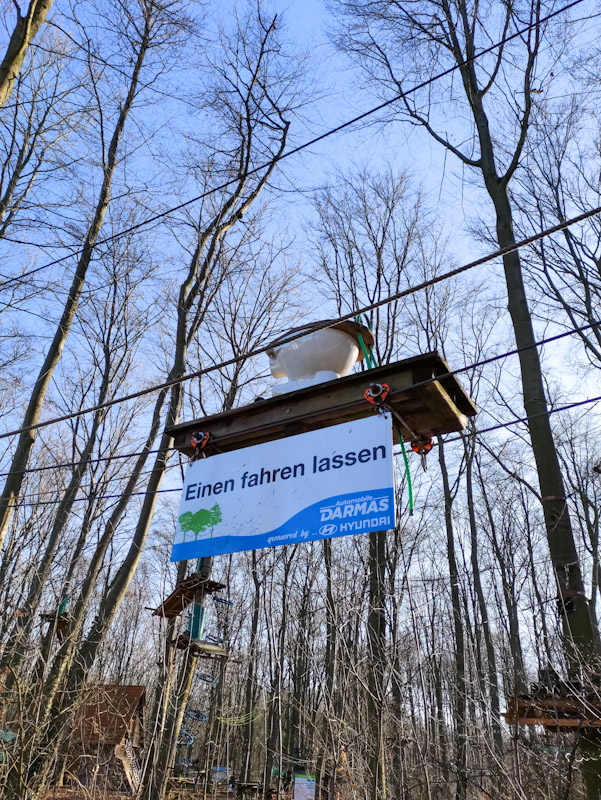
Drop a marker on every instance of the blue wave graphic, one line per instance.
(343, 515)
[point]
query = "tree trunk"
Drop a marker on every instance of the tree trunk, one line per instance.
(17, 649)
(156, 788)
(491, 661)
(376, 635)
(24, 33)
(580, 634)
(326, 783)
(460, 708)
(14, 480)
(249, 689)
(162, 694)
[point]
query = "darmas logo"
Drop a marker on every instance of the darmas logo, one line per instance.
(328, 530)
(358, 509)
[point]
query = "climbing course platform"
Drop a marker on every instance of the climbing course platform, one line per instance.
(420, 391)
(200, 648)
(183, 595)
(63, 623)
(564, 712)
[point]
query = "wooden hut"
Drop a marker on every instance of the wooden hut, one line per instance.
(107, 739)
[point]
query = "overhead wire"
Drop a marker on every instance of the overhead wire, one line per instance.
(117, 495)
(106, 481)
(517, 421)
(498, 426)
(96, 497)
(304, 145)
(501, 425)
(65, 464)
(419, 384)
(328, 324)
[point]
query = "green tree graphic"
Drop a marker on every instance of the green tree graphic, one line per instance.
(200, 520)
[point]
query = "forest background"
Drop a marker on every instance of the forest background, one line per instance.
(381, 663)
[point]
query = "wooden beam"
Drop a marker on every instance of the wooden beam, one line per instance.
(565, 704)
(183, 595)
(200, 648)
(558, 723)
(553, 711)
(429, 409)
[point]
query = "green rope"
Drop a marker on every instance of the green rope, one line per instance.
(371, 362)
(374, 363)
(406, 460)
(368, 353)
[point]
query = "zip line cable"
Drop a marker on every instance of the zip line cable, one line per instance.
(65, 464)
(576, 404)
(371, 307)
(301, 147)
(516, 351)
(499, 426)
(83, 486)
(97, 497)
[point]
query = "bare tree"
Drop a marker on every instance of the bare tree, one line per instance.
(146, 27)
(252, 113)
(395, 43)
(561, 174)
(25, 30)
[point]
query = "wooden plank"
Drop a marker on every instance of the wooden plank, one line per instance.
(548, 714)
(183, 594)
(558, 724)
(210, 649)
(556, 712)
(203, 649)
(428, 410)
(438, 407)
(566, 704)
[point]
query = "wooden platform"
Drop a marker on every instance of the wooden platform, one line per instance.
(183, 595)
(556, 712)
(429, 409)
(68, 793)
(212, 793)
(62, 623)
(202, 649)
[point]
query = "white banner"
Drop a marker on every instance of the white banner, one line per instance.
(304, 787)
(330, 482)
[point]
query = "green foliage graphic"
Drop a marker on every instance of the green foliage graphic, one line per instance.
(200, 520)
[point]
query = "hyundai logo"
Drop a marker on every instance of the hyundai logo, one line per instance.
(328, 530)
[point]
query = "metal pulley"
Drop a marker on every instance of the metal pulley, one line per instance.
(377, 393)
(422, 447)
(199, 441)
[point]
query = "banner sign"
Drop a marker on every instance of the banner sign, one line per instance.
(304, 787)
(330, 482)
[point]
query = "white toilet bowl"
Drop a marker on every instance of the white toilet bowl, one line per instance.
(321, 355)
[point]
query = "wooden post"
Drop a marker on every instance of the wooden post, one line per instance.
(158, 784)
